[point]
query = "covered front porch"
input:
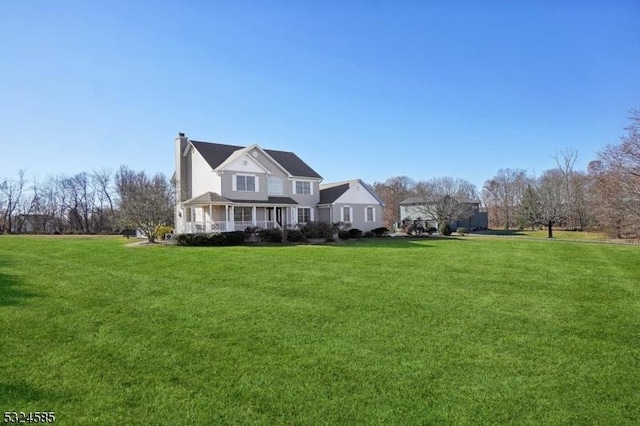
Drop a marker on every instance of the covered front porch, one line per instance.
(213, 213)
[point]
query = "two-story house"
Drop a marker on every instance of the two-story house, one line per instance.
(223, 187)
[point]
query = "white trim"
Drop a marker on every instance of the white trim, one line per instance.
(373, 215)
(294, 191)
(258, 147)
(234, 182)
(311, 215)
(342, 219)
(236, 155)
(281, 185)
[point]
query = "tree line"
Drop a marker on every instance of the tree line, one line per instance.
(97, 202)
(605, 197)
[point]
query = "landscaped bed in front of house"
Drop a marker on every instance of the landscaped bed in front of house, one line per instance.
(379, 331)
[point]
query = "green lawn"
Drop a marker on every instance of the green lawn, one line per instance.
(385, 331)
(558, 234)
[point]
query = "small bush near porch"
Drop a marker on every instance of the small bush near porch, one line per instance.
(379, 331)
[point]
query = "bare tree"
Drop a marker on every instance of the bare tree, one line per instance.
(103, 214)
(392, 192)
(3, 201)
(12, 191)
(607, 199)
(79, 201)
(553, 199)
(145, 202)
(620, 172)
(502, 195)
(445, 199)
(574, 188)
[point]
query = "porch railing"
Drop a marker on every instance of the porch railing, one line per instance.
(217, 226)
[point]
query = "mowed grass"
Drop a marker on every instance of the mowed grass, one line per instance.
(384, 331)
(558, 234)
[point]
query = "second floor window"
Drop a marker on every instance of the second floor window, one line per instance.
(303, 187)
(245, 183)
(274, 186)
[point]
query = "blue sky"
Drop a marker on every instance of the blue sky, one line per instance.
(368, 89)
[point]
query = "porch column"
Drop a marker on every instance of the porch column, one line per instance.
(253, 215)
(210, 217)
(232, 215)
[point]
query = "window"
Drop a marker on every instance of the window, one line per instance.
(245, 183)
(304, 214)
(303, 187)
(274, 186)
(242, 214)
(346, 214)
(369, 214)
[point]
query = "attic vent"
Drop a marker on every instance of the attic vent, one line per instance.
(255, 154)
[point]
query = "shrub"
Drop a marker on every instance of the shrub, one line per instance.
(355, 233)
(431, 230)
(295, 236)
(270, 235)
(223, 239)
(162, 230)
(369, 234)
(462, 231)
(251, 234)
(341, 226)
(343, 235)
(233, 238)
(317, 230)
(379, 232)
(444, 229)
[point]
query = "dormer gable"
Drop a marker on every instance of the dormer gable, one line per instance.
(242, 162)
(218, 156)
(353, 191)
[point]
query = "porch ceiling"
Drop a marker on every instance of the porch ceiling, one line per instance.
(207, 199)
(212, 198)
(270, 201)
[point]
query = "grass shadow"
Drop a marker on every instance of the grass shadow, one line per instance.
(10, 292)
(20, 392)
(411, 243)
(381, 242)
(502, 232)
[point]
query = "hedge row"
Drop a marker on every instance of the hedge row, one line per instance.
(233, 238)
(312, 230)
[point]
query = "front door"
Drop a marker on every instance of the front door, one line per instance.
(278, 217)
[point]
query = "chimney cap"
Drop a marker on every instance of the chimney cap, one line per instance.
(181, 135)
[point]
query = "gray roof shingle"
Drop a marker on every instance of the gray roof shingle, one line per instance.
(216, 153)
(331, 194)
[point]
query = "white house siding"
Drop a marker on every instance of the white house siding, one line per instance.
(303, 199)
(267, 163)
(228, 192)
(358, 198)
(358, 219)
(357, 194)
(203, 178)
